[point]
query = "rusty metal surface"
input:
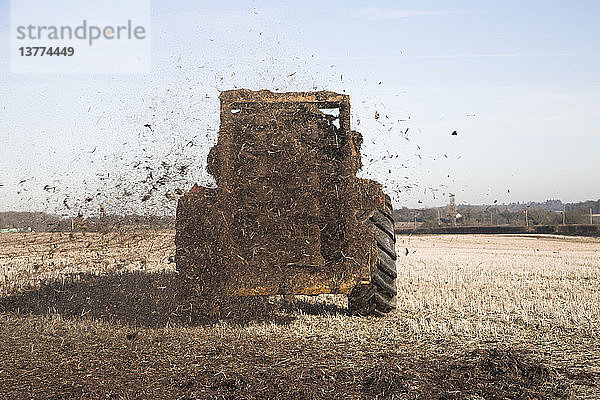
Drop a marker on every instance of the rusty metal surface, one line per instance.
(323, 98)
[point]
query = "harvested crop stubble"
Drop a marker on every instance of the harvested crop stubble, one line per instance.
(31, 259)
(467, 330)
(497, 285)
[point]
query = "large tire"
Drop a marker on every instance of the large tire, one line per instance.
(378, 297)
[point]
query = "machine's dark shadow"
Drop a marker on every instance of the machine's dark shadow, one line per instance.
(145, 300)
(299, 304)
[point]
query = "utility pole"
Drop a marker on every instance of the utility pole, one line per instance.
(591, 216)
(526, 219)
(438, 212)
(563, 216)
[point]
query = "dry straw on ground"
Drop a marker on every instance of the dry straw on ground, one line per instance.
(481, 317)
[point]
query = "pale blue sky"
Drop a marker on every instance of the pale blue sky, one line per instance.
(519, 81)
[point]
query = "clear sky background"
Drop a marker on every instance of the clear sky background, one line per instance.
(519, 82)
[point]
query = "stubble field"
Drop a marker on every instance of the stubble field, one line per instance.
(479, 317)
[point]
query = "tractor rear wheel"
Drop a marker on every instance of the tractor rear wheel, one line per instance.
(379, 296)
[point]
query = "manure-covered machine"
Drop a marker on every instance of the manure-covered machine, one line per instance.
(288, 215)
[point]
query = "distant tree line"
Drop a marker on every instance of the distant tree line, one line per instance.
(43, 222)
(546, 213)
(549, 212)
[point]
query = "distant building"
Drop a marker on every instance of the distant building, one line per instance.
(452, 210)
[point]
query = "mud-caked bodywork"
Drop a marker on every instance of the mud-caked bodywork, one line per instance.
(288, 215)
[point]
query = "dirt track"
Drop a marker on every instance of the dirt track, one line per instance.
(481, 317)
